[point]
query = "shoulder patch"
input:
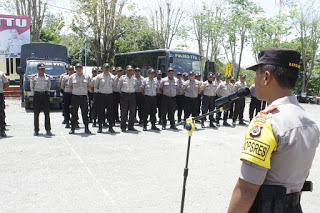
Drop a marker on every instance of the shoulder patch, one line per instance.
(269, 109)
(259, 141)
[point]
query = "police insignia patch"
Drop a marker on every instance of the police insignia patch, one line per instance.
(256, 131)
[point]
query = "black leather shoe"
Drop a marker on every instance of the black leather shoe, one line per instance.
(86, 130)
(49, 133)
(145, 128)
(217, 123)
(202, 124)
(68, 125)
(226, 123)
(123, 130)
(36, 133)
(77, 126)
(3, 133)
(212, 124)
(155, 128)
(173, 127)
(111, 130)
(234, 123)
(164, 127)
(71, 131)
(242, 123)
(132, 129)
(64, 122)
(94, 124)
(99, 130)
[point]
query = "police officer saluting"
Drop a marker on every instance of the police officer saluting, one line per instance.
(208, 88)
(127, 86)
(149, 90)
(3, 85)
(104, 84)
(280, 142)
(40, 85)
(79, 84)
(168, 87)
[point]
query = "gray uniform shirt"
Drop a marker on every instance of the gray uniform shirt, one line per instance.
(65, 83)
(126, 84)
(150, 86)
(238, 85)
(40, 84)
(139, 83)
(14, 46)
(224, 89)
(104, 83)
(296, 136)
(3, 80)
(191, 88)
(253, 90)
(209, 89)
(169, 87)
(158, 89)
(179, 87)
(79, 83)
(116, 82)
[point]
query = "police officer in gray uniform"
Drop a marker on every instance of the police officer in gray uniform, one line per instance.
(116, 94)
(159, 96)
(67, 95)
(280, 142)
(208, 89)
(127, 87)
(139, 96)
(180, 95)
(149, 90)
(40, 85)
(168, 88)
(79, 84)
(104, 84)
(3, 85)
(191, 89)
(240, 103)
(94, 73)
(224, 88)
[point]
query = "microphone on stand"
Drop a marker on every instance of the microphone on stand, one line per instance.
(233, 96)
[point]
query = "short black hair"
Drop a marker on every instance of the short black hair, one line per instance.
(286, 77)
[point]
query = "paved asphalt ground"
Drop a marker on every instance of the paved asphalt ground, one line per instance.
(122, 172)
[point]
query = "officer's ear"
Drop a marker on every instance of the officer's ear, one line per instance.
(267, 77)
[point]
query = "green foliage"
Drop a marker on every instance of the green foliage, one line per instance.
(51, 31)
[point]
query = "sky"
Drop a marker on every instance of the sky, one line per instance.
(66, 7)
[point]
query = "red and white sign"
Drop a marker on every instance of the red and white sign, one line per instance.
(14, 32)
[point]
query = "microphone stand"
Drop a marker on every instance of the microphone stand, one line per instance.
(190, 125)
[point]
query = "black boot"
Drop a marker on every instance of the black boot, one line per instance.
(94, 124)
(212, 124)
(202, 123)
(86, 129)
(3, 133)
(100, 128)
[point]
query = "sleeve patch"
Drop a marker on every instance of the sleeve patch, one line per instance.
(259, 141)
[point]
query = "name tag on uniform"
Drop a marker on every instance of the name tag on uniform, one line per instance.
(85, 81)
(166, 83)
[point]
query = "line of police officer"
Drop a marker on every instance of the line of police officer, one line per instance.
(107, 89)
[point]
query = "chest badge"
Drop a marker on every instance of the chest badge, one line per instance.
(256, 131)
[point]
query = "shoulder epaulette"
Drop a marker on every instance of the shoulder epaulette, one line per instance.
(269, 109)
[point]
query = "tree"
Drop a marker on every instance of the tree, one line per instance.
(103, 21)
(35, 9)
(306, 19)
(236, 28)
(166, 21)
(51, 31)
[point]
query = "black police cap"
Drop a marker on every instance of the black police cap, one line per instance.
(278, 57)
(170, 69)
(228, 76)
(78, 65)
(105, 65)
(218, 74)
(198, 75)
(191, 73)
(179, 73)
(41, 65)
(137, 69)
(95, 69)
(185, 74)
(210, 74)
(243, 76)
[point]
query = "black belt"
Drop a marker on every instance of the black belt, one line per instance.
(180, 95)
(129, 94)
(80, 95)
(169, 96)
(151, 96)
(41, 93)
(105, 94)
(209, 96)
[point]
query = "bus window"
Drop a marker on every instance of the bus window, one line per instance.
(186, 63)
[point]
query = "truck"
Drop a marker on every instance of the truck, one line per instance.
(54, 57)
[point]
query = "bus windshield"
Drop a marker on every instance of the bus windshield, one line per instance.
(186, 63)
(53, 68)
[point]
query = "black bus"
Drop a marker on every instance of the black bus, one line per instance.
(162, 59)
